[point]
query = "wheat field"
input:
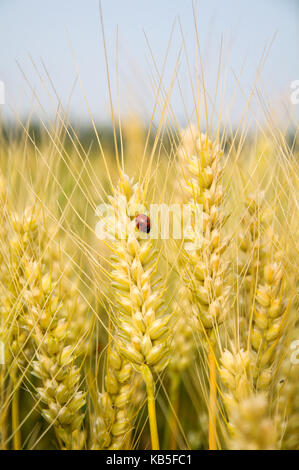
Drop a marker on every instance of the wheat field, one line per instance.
(135, 340)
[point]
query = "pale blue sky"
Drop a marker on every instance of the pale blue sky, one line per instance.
(44, 28)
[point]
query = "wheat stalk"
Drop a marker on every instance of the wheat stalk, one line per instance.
(183, 351)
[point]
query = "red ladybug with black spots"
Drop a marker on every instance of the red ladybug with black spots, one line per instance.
(143, 223)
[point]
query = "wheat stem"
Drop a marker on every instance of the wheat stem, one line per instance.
(15, 416)
(150, 390)
(212, 399)
(173, 410)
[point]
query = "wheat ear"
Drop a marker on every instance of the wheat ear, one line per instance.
(236, 376)
(288, 398)
(270, 303)
(45, 323)
(203, 267)
(3, 249)
(253, 428)
(141, 317)
(22, 242)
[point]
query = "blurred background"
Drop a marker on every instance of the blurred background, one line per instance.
(53, 50)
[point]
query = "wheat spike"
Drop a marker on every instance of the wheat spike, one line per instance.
(253, 428)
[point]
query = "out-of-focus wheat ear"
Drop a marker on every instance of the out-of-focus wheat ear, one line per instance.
(4, 401)
(271, 309)
(22, 242)
(236, 376)
(62, 399)
(265, 302)
(253, 429)
(250, 255)
(253, 238)
(46, 321)
(204, 266)
(140, 314)
(287, 392)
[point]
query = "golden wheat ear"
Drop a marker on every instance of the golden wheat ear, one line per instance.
(143, 334)
(203, 266)
(44, 302)
(253, 428)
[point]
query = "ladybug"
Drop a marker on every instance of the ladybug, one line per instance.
(143, 223)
